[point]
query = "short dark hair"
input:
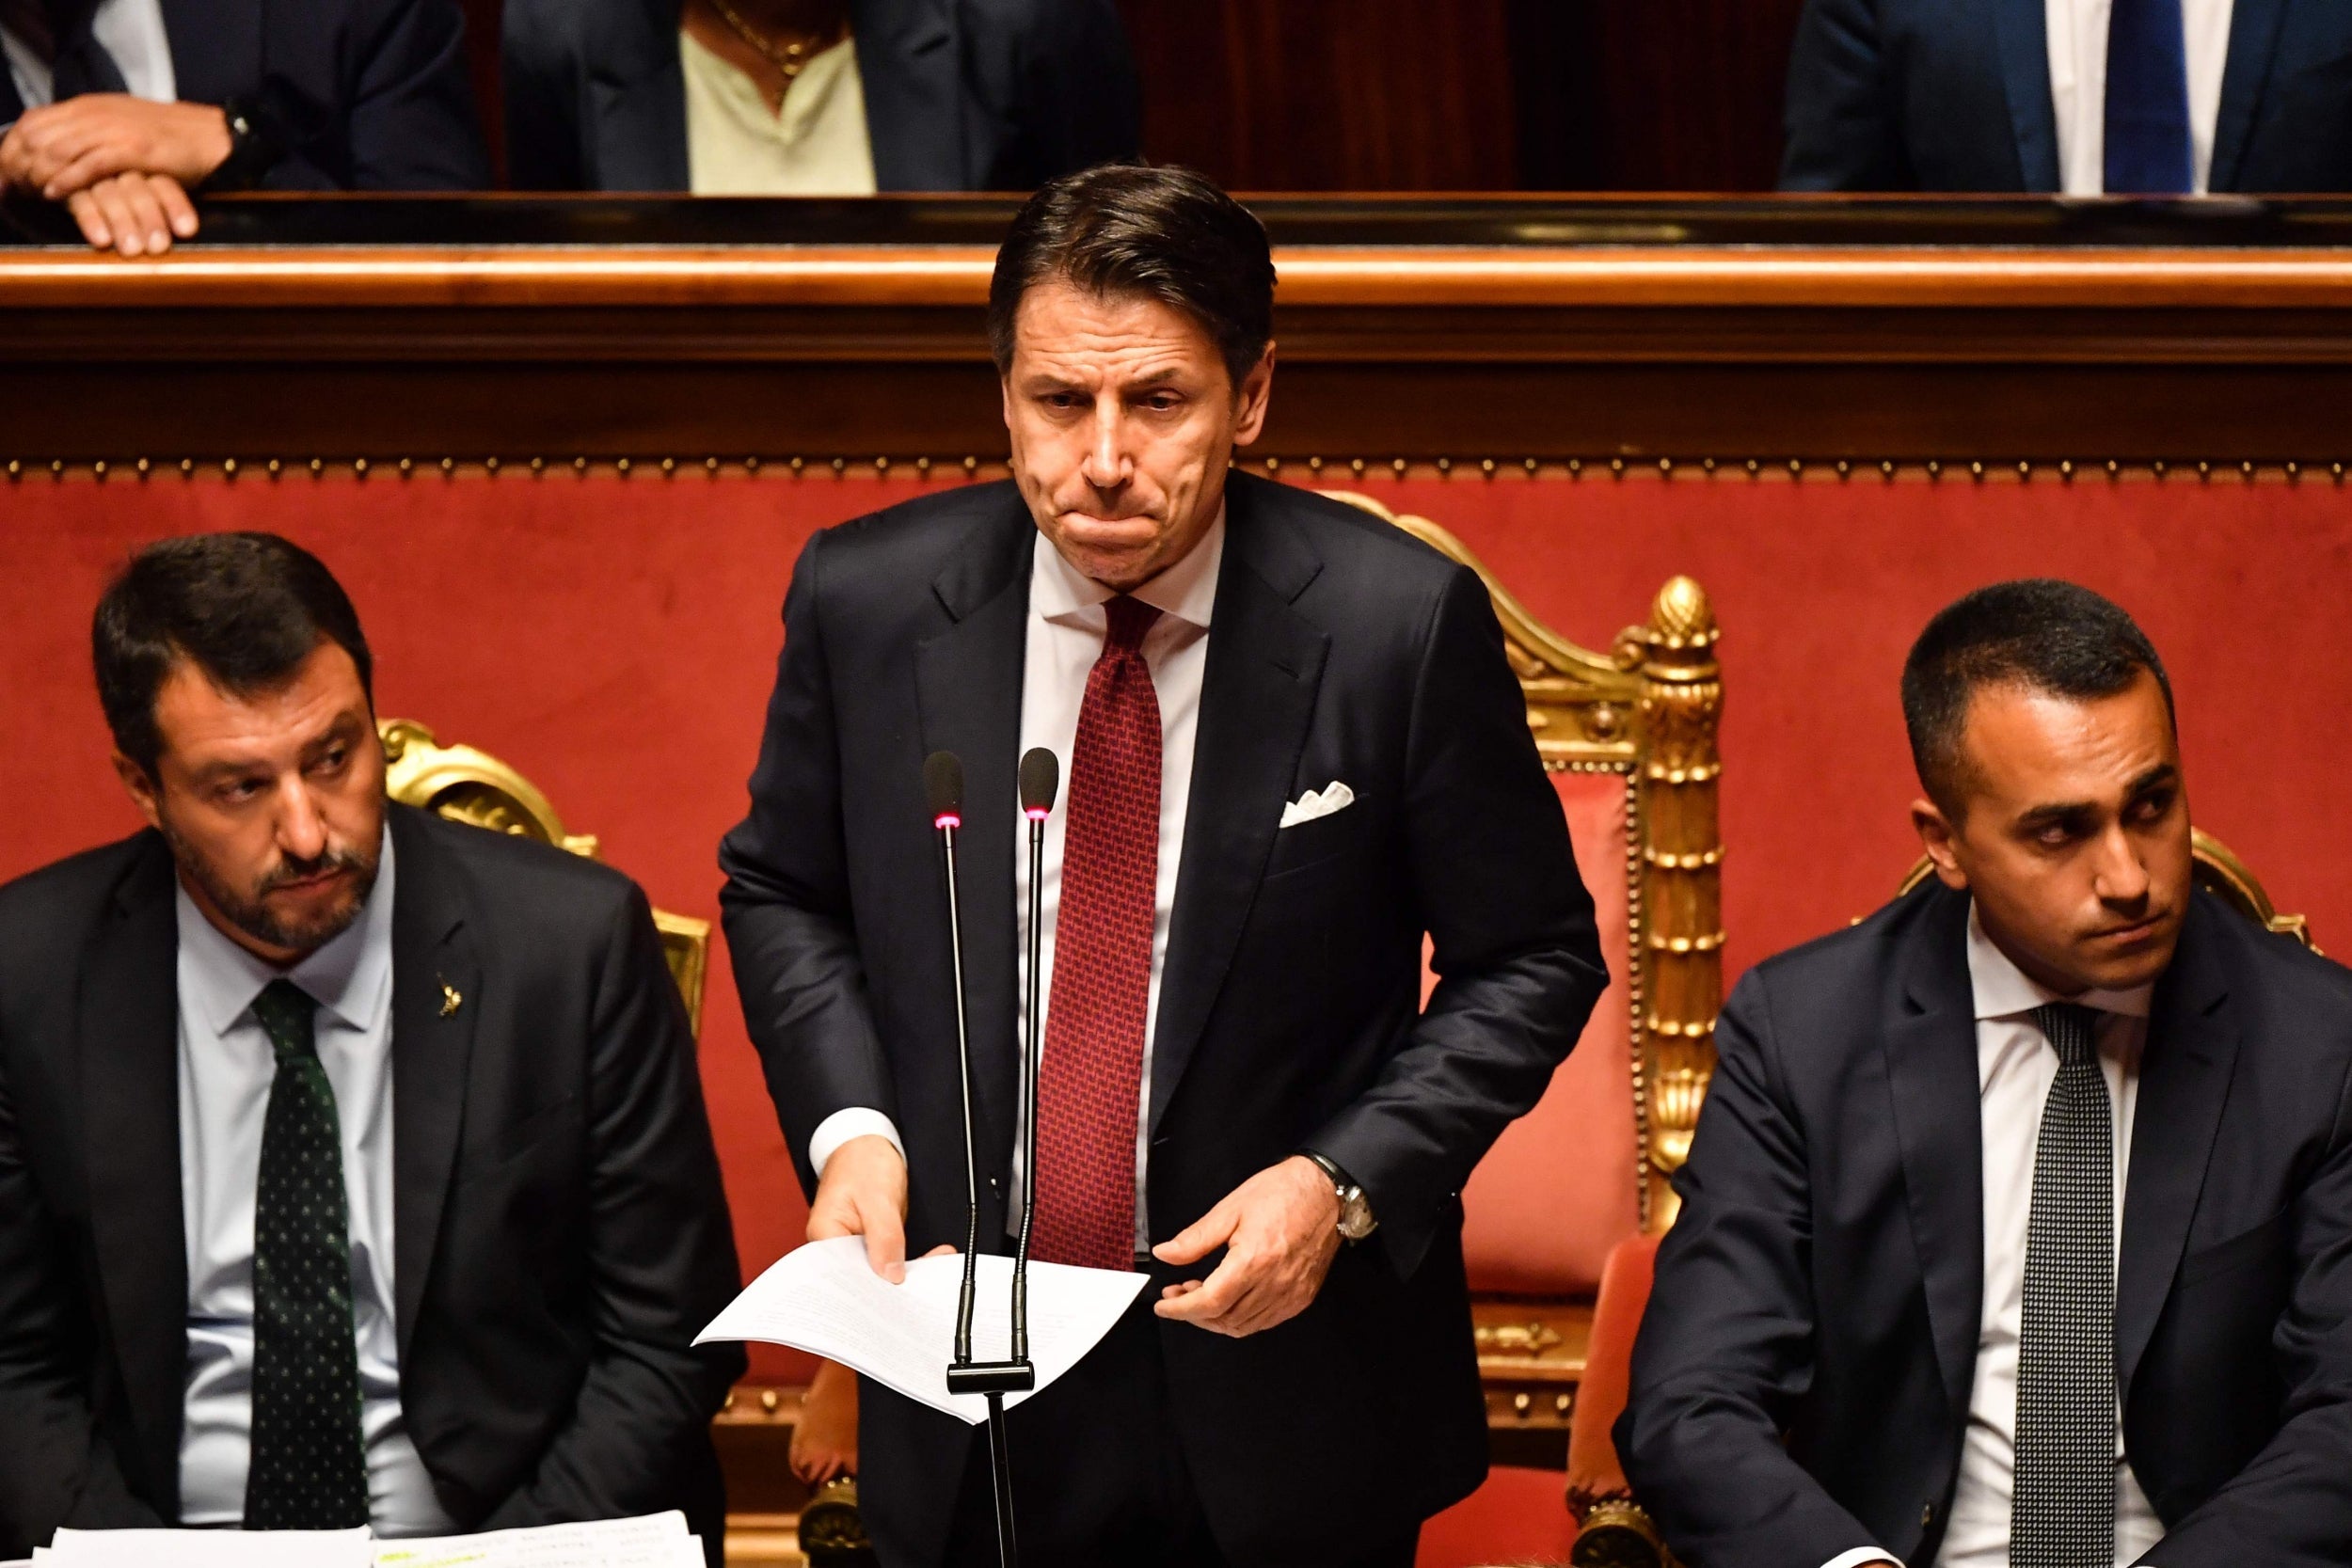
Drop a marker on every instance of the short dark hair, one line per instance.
(246, 608)
(1163, 233)
(2039, 633)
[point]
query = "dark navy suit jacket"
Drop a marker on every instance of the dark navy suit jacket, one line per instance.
(1800, 1383)
(1954, 95)
(961, 95)
(362, 94)
(1290, 1007)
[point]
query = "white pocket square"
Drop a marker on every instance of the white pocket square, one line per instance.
(1318, 802)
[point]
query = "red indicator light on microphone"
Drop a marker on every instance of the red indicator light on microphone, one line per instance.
(947, 819)
(1037, 814)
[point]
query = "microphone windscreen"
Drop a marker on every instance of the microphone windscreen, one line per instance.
(1040, 780)
(943, 784)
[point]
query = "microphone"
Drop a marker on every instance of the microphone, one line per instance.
(943, 790)
(1040, 780)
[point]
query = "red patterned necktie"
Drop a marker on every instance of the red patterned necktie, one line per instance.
(1092, 1071)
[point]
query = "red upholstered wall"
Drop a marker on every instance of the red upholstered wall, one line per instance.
(613, 637)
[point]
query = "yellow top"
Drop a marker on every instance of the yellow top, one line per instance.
(816, 146)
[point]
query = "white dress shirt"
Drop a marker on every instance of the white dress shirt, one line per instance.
(2015, 1067)
(1066, 628)
(227, 1068)
(2078, 86)
(130, 30)
(817, 144)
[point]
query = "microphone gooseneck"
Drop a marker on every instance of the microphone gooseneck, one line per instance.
(942, 789)
(1040, 780)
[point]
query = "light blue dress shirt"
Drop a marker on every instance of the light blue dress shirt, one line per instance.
(226, 1070)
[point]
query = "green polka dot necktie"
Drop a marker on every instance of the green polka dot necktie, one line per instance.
(309, 1467)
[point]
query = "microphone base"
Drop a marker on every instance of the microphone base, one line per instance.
(992, 1377)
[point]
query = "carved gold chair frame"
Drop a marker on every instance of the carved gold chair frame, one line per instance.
(467, 786)
(1647, 711)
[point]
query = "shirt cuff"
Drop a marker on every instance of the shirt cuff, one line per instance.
(1860, 1555)
(858, 1122)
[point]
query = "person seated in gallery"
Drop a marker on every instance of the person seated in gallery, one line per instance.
(2017, 1226)
(814, 97)
(2079, 97)
(124, 109)
(353, 1168)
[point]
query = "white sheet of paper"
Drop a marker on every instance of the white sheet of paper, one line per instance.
(824, 1299)
(654, 1541)
(211, 1548)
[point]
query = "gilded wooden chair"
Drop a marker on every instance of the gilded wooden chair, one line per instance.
(466, 785)
(1563, 1209)
(472, 786)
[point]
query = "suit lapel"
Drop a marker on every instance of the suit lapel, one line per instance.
(911, 69)
(968, 695)
(1256, 698)
(437, 984)
(2021, 36)
(2253, 46)
(130, 1093)
(1932, 1073)
(216, 47)
(637, 102)
(2183, 1084)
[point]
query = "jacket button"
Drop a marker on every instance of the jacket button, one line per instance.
(1927, 1514)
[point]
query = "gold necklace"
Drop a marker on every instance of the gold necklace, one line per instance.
(790, 59)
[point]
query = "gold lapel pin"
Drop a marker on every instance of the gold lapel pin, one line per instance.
(450, 1000)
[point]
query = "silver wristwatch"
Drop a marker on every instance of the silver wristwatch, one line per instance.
(1355, 1217)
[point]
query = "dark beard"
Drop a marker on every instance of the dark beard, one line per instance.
(251, 913)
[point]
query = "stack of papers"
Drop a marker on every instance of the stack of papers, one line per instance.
(825, 1299)
(656, 1541)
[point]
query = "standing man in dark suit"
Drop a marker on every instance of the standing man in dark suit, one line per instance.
(121, 109)
(814, 97)
(2083, 97)
(353, 1165)
(2018, 1228)
(1293, 748)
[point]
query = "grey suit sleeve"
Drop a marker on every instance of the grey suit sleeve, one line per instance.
(2289, 1506)
(787, 900)
(1725, 1349)
(1515, 947)
(58, 1469)
(661, 1254)
(1841, 130)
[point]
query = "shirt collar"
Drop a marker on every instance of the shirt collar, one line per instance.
(350, 977)
(1186, 591)
(2004, 990)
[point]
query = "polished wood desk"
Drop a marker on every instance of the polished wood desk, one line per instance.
(1464, 330)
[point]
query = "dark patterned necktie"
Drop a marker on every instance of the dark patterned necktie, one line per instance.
(2062, 1509)
(309, 1467)
(1092, 1070)
(2146, 152)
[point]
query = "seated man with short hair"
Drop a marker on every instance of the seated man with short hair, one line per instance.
(353, 1168)
(122, 109)
(2017, 1233)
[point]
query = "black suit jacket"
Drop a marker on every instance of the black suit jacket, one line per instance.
(362, 94)
(1800, 1383)
(561, 1232)
(961, 95)
(1341, 649)
(1954, 95)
